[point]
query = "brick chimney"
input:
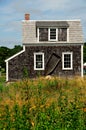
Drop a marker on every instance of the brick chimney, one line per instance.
(27, 16)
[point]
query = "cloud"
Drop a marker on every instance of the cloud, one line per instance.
(42, 9)
(54, 4)
(39, 5)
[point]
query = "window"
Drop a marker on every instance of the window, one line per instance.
(52, 34)
(62, 34)
(43, 34)
(39, 61)
(67, 61)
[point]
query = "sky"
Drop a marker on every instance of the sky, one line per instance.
(12, 13)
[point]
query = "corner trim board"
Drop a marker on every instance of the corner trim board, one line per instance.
(7, 71)
(81, 60)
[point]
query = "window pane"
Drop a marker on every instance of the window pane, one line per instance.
(43, 34)
(62, 34)
(38, 64)
(38, 57)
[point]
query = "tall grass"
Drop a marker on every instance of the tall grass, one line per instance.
(44, 104)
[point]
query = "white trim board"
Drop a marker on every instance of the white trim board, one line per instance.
(50, 20)
(16, 54)
(53, 44)
(81, 60)
(7, 72)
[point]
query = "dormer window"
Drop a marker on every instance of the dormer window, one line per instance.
(52, 34)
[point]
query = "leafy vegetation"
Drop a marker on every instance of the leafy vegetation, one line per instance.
(43, 104)
(6, 53)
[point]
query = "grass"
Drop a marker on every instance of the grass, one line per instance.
(2, 79)
(46, 104)
(2, 83)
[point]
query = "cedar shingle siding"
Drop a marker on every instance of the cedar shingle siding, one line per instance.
(26, 60)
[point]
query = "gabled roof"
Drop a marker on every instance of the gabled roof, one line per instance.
(74, 27)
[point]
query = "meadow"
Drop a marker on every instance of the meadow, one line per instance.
(43, 104)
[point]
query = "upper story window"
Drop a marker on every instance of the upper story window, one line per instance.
(52, 34)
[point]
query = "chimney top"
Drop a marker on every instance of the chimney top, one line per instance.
(27, 16)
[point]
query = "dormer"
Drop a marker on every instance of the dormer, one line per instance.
(51, 31)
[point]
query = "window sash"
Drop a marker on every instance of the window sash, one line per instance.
(52, 36)
(38, 61)
(67, 59)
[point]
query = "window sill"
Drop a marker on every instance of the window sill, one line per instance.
(53, 41)
(67, 68)
(38, 69)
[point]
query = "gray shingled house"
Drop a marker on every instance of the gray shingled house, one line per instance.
(50, 47)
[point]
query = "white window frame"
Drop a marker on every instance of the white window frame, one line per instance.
(67, 35)
(35, 54)
(71, 67)
(38, 34)
(49, 34)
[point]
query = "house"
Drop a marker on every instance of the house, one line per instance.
(50, 47)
